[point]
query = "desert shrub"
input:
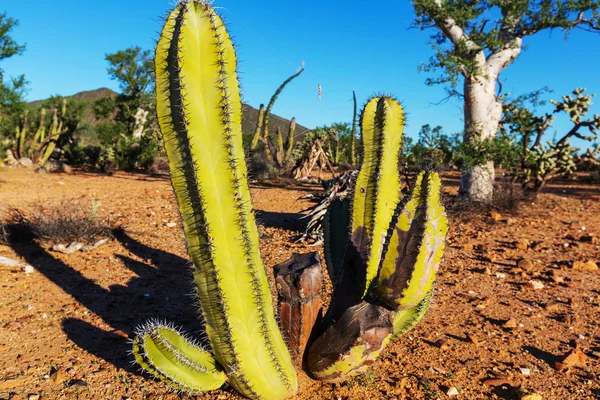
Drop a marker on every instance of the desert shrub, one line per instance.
(64, 222)
(125, 152)
(259, 168)
(82, 154)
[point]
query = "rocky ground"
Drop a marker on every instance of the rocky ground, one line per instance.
(516, 311)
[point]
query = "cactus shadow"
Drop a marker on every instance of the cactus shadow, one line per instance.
(155, 293)
(287, 221)
(541, 355)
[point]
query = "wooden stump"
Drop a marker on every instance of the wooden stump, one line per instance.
(299, 283)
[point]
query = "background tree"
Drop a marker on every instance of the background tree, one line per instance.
(472, 47)
(541, 162)
(12, 103)
(127, 133)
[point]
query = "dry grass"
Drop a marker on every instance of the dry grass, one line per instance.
(62, 223)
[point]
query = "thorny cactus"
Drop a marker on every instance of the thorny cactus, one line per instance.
(199, 112)
(383, 266)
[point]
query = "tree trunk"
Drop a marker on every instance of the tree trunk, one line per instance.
(482, 114)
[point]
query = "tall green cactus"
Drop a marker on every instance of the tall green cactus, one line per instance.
(199, 111)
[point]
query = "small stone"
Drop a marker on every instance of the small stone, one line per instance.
(490, 258)
(496, 216)
(58, 376)
(28, 269)
(496, 382)
(552, 306)
(441, 344)
(510, 324)
(531, 396)
(585, 266)
(500, 275)
(556, 277)
(525, 264)
(525, 371)
(452, 392)
(468, 246)
(33, 397)
(535, 285)
(77, 383)
(170, 224)
(574, 358)
(522, 244)
(13, 324)
(473, 339)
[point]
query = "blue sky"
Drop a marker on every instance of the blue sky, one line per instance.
(345, 45)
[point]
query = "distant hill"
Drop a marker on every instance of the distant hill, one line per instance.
(249, 113)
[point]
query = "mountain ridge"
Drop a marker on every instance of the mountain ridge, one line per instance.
(249, 113)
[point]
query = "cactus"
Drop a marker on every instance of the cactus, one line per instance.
(382, 251)
(48, 145)
(272, 101)
(258, 130)
(280, 149)
(199, 112)
(384, 267)
(353, 132)
(289, 143)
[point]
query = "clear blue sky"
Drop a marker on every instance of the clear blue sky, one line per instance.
(346, 45)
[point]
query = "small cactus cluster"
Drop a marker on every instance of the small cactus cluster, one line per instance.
(40, 147)
(383, 266)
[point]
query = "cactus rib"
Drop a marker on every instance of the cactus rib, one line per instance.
(198, 95)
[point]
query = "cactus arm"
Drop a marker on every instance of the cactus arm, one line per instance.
(378, 184)
(415, 247)
(199, 111)
(289, 144)
(170, 356)
(335, 235)
(280, 148)
(272, 101)
(258, 130)
(40, 134)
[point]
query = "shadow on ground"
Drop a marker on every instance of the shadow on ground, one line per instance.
(156, 293)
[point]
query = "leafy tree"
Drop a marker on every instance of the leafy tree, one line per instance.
(12, 91)
(539, 162)
(474, 41)
(127, 131)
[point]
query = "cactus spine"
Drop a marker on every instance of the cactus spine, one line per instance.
(199, 111)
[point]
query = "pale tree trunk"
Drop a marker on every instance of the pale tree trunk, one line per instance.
(482, 114)
(482, 111)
